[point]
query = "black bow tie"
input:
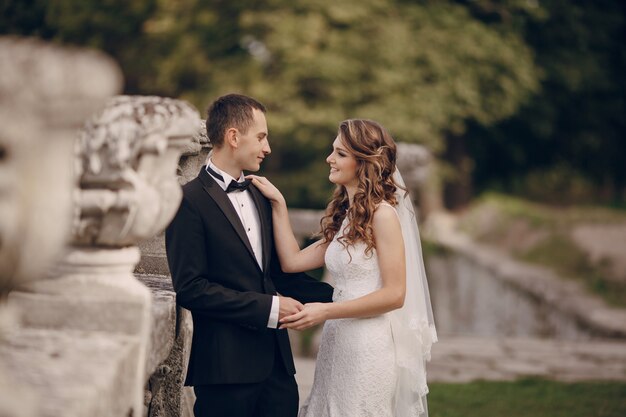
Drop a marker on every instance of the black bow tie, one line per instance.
(238, 186)
(234, 185)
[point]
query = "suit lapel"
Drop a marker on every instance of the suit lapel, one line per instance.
(264, 218)
(221, 199)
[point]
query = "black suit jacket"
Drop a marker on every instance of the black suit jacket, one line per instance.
(216, 277)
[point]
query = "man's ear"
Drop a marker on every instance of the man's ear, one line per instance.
(232, 138)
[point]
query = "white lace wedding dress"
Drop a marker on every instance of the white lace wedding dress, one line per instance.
(355, 374)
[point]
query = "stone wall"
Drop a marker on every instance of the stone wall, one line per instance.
(558, 297)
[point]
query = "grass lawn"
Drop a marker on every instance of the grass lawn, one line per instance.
(528, 398)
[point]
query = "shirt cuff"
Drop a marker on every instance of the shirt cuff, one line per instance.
(272, 323)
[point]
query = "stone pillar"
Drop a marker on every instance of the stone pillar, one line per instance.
(127, 157)
(194, 155)
(418, 169)
(46, 92)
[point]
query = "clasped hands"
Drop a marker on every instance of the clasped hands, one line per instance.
(297, 316)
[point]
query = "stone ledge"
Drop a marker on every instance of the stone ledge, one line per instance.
(73, 373)
(153, 264)
(55, 311)
(541, 283)
(168, 355)
(163, 329)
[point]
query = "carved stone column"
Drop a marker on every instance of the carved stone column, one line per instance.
(153, 259)
(195, 156)
(128, 191)
(418, 169)
(46, 92)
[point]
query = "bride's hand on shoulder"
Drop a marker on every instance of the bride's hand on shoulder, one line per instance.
(311, 315)
(268, 189)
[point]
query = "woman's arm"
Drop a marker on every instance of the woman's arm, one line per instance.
(391, 259)
(291, 258)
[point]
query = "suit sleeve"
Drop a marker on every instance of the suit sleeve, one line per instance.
(188, 263)
(301, 286)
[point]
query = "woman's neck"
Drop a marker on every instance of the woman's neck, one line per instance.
(350, 191)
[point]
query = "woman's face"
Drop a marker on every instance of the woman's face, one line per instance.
(342, 165)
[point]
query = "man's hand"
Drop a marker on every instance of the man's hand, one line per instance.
(288, 307)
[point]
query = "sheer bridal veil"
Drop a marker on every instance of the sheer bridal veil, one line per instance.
(413, 325)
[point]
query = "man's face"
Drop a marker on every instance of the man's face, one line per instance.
(253, 146)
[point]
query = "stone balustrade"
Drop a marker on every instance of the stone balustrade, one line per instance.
(80, 335)
(46, 92)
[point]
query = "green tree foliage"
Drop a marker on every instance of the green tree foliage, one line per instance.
(567, 143)
(114, 26)
(422, 70)
(428, 70)
(419, 69)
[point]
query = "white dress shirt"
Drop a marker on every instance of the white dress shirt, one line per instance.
(249, 216)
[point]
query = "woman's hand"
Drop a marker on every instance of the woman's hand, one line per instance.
(311, 315)
(267, 189)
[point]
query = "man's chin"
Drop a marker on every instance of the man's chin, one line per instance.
(253, 168)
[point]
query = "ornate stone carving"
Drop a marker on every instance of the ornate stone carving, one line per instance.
(126, 158)
(200, 141)
(191, 161)
(46, 91)
(128, 155)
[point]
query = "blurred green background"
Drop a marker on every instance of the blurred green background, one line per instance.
(524, 97)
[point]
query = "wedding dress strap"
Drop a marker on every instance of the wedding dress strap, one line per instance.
(384, 203)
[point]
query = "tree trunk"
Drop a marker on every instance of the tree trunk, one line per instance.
(457, 190)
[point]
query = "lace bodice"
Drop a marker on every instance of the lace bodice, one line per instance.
(354, 272)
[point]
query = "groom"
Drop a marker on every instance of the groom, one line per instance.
(225, 270)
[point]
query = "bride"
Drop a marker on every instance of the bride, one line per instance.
(379, 329)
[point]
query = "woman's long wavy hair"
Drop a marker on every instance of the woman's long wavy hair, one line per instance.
(375, 152)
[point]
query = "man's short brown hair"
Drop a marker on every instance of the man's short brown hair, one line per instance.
(231, 110)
